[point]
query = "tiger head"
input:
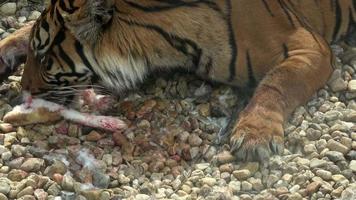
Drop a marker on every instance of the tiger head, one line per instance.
(59, 55)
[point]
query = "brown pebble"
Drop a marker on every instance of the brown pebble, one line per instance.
(57, 178)
(313, 187)
(93, 136)
(146, 108)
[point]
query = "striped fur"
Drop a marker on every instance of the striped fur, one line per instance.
(277, 46)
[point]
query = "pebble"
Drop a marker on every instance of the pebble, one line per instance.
(32, 164)
(352, 86)
(241, 174)
(335, 156)
(34, 15)
(352, 165)
(326, 175)
(8, 9)
(4, 187)
(3, 197)
(26, 191)
(337, 146)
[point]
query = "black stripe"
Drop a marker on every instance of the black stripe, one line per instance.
(181, 44)
(209, 66)
(251, 77)
(79, 50)
(172, 4)
(63, 6)
(338, 19)
(285, 51)
(267, 7)
(232, 42)
(286, 11)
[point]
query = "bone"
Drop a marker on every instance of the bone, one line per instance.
(35, 110)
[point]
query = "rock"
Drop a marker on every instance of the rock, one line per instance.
(326, 175)
(4, 187)
(54, 189)
(195, 140)
(3, 197)
(26, 191)
(352, 86)
(338, 85)
(241, 174)
(317, 163)
(93, 136)
(6, 127)
(32, 164)
(57, 167)
(209, 181)
(40, 194)
(142, 197)
(17, 175)
(352, 165)
(67, 183)
(8, 9)
(295, 196)
(313, 187)
(18, 150)
(337, 146)
(101, 180)
(335, 156)
(246, 186)
(34, 15)
(202, 166)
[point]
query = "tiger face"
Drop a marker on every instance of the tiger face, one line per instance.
(57, 63)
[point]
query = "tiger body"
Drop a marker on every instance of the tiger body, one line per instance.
(280, 47)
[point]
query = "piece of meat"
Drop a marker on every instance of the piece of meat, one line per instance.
(34, 111)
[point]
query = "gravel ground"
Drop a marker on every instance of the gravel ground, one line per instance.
(170, 150)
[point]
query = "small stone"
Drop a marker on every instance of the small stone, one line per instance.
(256, 184)
(32, 164)
(326, 175)
(317, 163)
(202, 166)
(4, 187)
(309, 148)
(142, 197)
(352, 86)
(17, 175)
(337, 146)
(67, 183)
(26, 191)
(195, 140)
(3, 197)
(18, 150)
(209, 181)
(246, 186)
(241, 174)
(352, 165)
(6, 156)
(335, 156)
(313, 187)
(54, 189)
(101, 180)
(8, 9)
(295, 196)
(338, 85)
(34, 15)
(57, 167)
(6, 127)
(93, 136)
(204, 109)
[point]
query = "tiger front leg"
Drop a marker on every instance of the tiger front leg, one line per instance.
(13, 50)
(259, 132)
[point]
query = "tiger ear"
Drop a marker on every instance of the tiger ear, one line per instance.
(86, 18)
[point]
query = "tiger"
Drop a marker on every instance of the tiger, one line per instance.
(280, 49)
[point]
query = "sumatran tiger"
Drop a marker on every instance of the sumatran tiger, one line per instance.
(280, 48)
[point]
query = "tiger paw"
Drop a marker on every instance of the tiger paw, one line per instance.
(256, 138)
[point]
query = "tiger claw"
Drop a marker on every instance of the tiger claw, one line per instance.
(246, 149)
